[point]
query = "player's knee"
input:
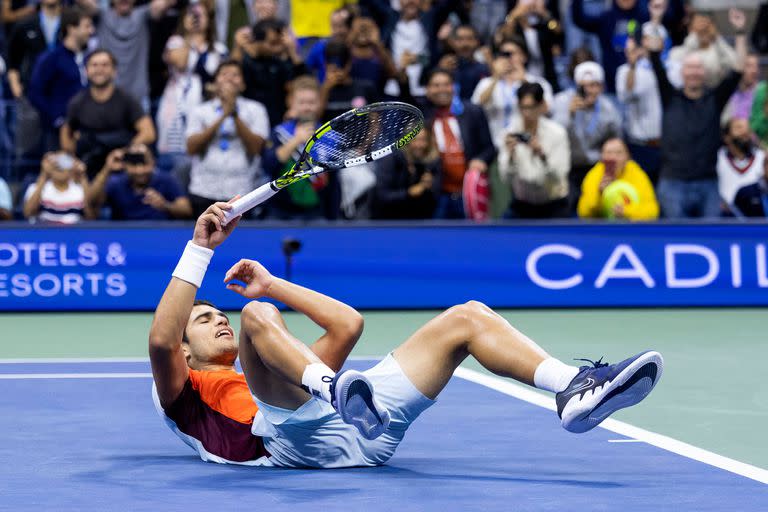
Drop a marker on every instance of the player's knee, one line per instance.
(467, 314)
(257, 315)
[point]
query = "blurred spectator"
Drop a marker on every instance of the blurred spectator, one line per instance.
(341, 22)
(760, 30)
(339, 92)
(225, 137)
(534, 159)
(58, 195)
(6, 201)
(406, 183)
(269, 61)
(13, 11)
(690, 136)
(59, 74)
(655, 27)
(637, 90)
(411, 34)
(139, 193)
(123, 29)
(371, 62)
(103, 117)
(30, 38)
(460, 60)
(752, 200)
(531, 22)
(739, 106)
(192, 56)
(612, 26)
(486, 15)
(717, 56)
(577, 56)
(589, 117)
(616, 187)
(462, 138)
(739, 162)
(314, 198)
(497, 94)
(758, 119)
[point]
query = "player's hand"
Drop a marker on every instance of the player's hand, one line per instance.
(209, 229)
(256, 278)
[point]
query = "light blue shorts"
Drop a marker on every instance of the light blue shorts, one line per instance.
(315, 436)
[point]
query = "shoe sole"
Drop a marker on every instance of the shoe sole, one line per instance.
(356, 405)
(630, 387)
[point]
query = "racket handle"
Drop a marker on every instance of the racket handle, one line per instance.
(250, 200)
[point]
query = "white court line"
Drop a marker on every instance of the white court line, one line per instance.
(619, 427)
(504, 386)
(28, 376)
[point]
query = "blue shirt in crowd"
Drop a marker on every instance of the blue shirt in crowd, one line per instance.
(128, 204)
(56, 78)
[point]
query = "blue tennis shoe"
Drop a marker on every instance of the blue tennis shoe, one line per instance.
(353, 398)
(599, 390)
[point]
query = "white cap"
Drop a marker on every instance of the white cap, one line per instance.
(589, 72)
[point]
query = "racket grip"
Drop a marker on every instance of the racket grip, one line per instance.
(249, 200)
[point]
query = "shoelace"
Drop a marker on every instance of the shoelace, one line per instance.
(595, 364)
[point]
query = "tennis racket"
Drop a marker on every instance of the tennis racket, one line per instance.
(361, 135)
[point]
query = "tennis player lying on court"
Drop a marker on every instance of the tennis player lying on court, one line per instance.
(291, 408)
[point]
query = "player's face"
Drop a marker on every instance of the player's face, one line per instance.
(211, 338)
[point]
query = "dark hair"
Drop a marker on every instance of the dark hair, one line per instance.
(530, 89)
(337, 53)
(517, 41)
(350, 15)
(210, 32)
(198, 302)
(465, 26)
(228, 63)
(262, 27)
(434, 72)
(70, 17)
(102, 51)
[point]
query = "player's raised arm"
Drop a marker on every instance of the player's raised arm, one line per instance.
(343, 324)
(169, 366)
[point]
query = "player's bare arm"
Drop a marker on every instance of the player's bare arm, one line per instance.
(343, 324)
(169, 366)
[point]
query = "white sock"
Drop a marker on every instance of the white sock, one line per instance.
(554, 375)
(317, 380)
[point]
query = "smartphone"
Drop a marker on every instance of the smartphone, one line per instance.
(64, 161)
(522, 137)
(134, 159)
(581, 91)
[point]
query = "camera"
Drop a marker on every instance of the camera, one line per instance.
(522, 137)
(134, 159)
(581, 91)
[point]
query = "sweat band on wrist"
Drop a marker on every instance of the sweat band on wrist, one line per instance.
(193, 264)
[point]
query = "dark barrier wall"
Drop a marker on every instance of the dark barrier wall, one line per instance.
(123, 267)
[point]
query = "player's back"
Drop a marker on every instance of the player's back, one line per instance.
(213, 414)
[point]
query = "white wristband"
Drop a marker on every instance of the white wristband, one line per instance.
(193, 264)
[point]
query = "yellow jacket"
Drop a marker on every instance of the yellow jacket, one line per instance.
(590, 203)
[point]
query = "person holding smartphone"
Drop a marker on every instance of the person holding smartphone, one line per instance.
(589, 117)
(140, 192)
(58, 195)
(534, 159)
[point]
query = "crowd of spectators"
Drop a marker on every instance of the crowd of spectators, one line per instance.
(152, 110)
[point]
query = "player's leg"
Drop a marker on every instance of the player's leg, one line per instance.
(282, 371)
(585, 396)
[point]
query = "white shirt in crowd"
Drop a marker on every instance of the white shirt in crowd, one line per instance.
(532, 179)
(225, 169)
(502, 106)
(409, 36)
(642, 115)
(733, 174)
(6, 201)
(59, 206)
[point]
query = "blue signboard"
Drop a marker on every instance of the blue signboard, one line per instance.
(126, 267)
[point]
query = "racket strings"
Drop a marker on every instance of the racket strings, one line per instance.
(359, 135)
